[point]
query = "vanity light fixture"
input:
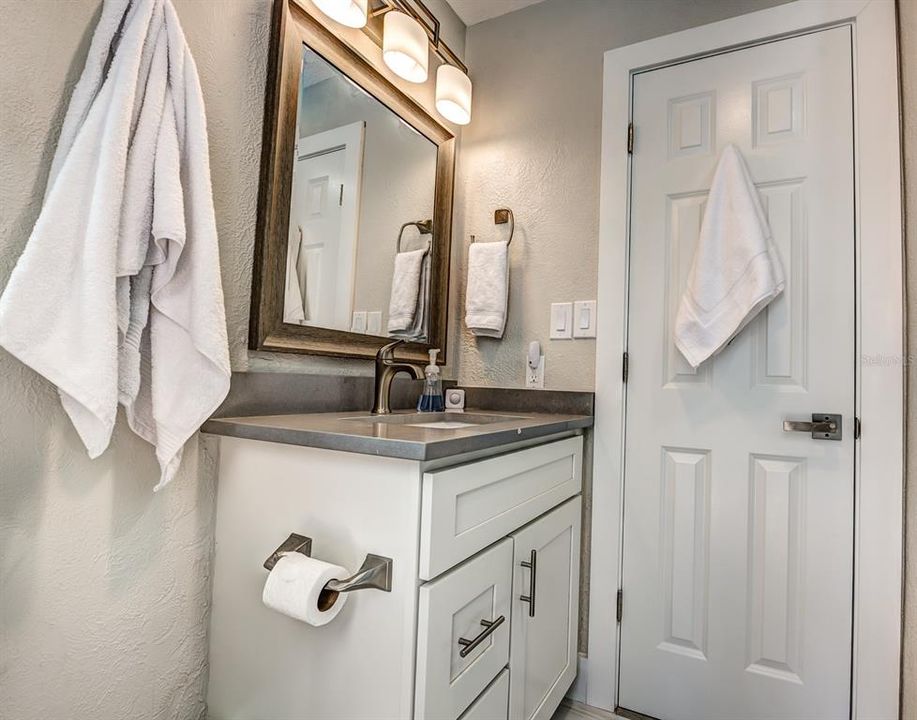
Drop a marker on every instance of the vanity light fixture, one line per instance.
(351, 13)
(408, 30)
(453, 94)
(404, 46)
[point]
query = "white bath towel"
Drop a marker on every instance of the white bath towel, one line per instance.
(294, 309)
(117, 295)
(488, 288)
(407, 308)
(736, 270)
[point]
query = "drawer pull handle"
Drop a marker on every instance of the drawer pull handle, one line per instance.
(468, 646)
(530, 598)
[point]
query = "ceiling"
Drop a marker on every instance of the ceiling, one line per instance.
(474, 11)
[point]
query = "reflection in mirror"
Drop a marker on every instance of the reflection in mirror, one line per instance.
(360, 234)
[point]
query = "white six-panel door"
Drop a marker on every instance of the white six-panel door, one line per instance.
(738, 536)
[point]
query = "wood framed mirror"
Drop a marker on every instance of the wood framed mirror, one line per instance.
(354, 176)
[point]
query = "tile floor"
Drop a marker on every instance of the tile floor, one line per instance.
(570, 710)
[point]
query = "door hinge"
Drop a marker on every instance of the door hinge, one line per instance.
(341, 197)
(857, 430)
(620, 608)
(625, 366)
(630, 138)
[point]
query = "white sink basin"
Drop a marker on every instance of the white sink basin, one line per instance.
(442, 425)
(437, 421)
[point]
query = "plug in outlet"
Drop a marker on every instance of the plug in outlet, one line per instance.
(534, 366)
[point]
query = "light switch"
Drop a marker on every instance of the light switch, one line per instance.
(358, 323)
(584, 319)
(374, 323)
(561, 321)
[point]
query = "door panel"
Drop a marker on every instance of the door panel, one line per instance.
(543, 646)
(738, 536)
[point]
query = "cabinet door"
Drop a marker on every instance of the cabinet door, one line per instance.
(545, 612)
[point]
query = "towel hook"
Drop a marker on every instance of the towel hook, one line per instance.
(425, 227)
(501, 217)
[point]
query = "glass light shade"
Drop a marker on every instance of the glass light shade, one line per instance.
(453, 94)
(351, 13)
(404, 46)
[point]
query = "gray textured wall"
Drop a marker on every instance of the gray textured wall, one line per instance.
(533, 145)
(104, 586)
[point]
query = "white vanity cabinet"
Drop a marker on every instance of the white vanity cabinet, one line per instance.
(455, 638)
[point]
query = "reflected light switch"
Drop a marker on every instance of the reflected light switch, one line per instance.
(374, 322)
(584, 319)
(358, 323)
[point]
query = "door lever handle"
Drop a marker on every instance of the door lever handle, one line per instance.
(824, 426)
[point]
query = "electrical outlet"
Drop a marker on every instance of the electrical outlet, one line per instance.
(534, 378)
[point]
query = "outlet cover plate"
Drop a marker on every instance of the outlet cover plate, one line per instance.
(534, 379)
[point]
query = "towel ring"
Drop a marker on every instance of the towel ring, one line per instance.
(501, 217)
(425, 227)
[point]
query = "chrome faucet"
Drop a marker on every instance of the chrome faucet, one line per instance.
(386, 369)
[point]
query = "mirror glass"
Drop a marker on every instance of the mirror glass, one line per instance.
(360, 233)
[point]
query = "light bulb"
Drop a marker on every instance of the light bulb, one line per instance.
(404, 46)
(351, 13)
(453, 94)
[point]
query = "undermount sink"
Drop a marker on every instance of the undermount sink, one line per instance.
(438, 421)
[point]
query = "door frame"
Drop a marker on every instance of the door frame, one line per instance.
(879, 459)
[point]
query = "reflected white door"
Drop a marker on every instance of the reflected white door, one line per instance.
(738, 536)
(315, 226)
(323, 229)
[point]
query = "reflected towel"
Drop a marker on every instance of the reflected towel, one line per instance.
(294, 309)
(117, 295)
(410, 286)
(736, 270)
(488, 288)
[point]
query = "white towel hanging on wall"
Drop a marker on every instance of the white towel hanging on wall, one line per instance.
(487, 294)
(736, 270)
(93, 305)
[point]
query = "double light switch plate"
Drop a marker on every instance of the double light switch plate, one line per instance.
(573, 320)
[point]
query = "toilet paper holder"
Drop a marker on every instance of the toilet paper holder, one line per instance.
(375, 572)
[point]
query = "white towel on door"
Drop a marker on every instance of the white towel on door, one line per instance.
(488, 288)
(736, 270)
(408, 303)
(117, 295)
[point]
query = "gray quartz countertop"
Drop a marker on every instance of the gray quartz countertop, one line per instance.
(402, 434)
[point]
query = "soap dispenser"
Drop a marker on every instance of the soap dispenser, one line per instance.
(432, 398)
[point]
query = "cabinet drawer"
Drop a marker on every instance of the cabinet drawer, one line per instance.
(459, 606)
(493, 703)
(468, 507)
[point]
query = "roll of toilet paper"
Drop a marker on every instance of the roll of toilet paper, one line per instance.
(295, 587)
